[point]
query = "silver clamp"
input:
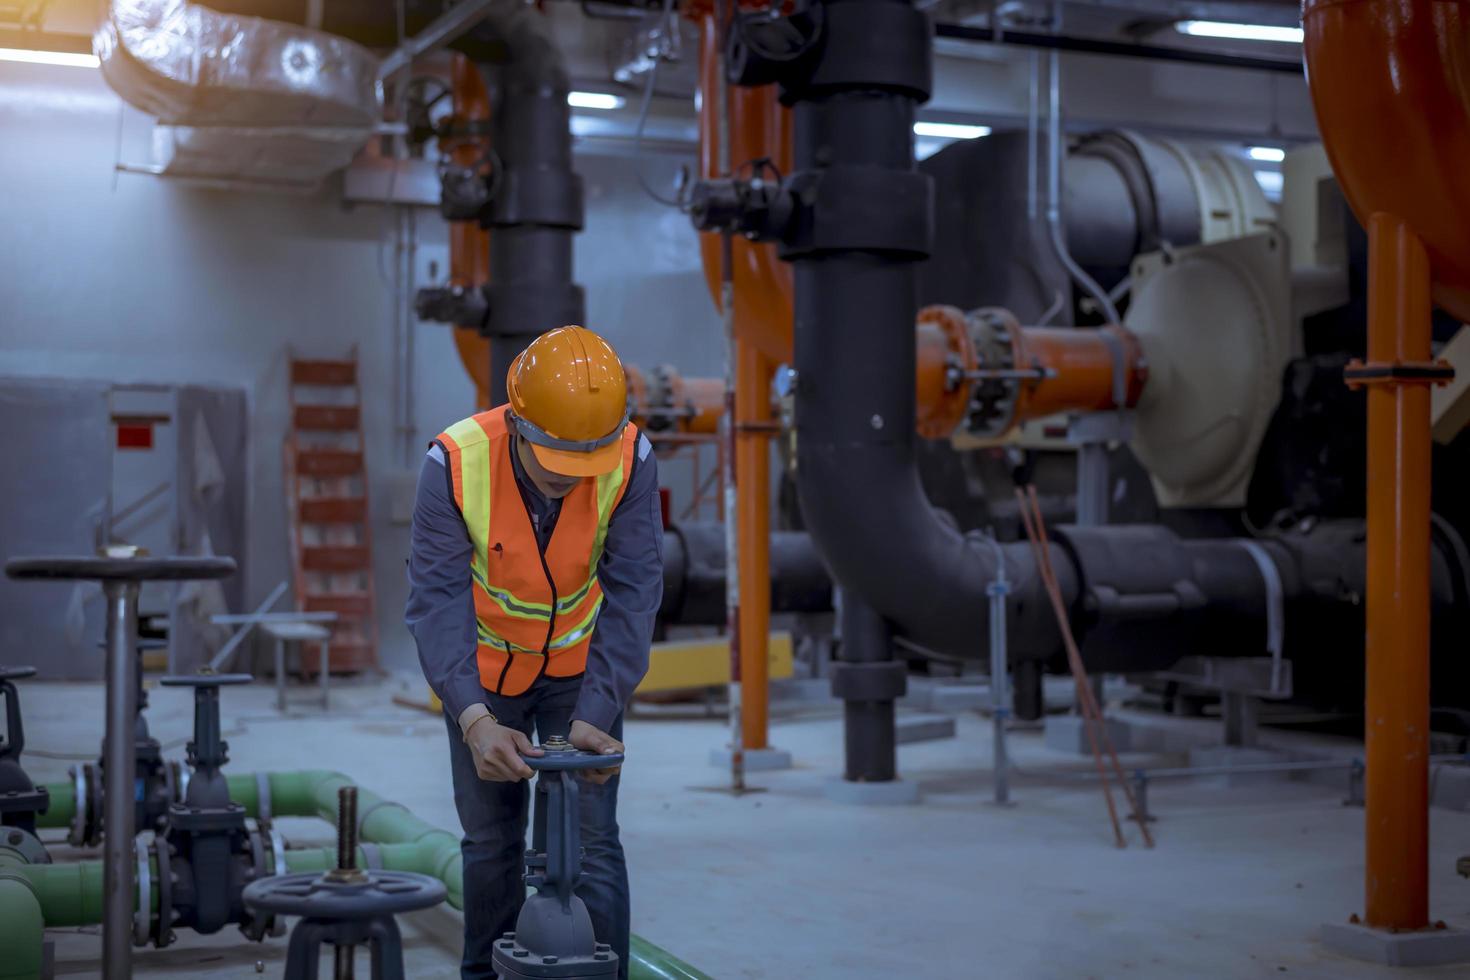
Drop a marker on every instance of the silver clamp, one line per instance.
(1275, 607)
(263, 798)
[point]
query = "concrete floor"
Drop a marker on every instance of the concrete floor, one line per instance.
(785, 884)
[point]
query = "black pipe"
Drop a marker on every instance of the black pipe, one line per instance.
(538, 201)
(868, 682)
(694, 575)
(1121, 49)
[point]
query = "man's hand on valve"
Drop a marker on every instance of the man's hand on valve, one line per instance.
(497, 751)
(589, 739)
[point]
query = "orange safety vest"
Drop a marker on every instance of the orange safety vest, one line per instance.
(534, 613)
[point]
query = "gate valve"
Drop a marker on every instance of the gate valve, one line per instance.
(20, 798)
(554, 936)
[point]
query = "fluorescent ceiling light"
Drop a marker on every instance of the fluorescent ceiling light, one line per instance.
(1268, 154)
(1239, 32)
(950, 131)
(66, 58)
(594, 100)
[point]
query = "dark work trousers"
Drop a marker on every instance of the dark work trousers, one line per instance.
(494, 819)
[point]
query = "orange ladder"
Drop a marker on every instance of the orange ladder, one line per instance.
(325, 470)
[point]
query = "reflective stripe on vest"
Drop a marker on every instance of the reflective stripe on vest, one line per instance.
(529, 605)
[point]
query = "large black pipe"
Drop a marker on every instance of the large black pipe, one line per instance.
(538, 203)
(694, 575)
(856, 253)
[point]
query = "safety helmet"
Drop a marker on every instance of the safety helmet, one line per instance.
(569, 400)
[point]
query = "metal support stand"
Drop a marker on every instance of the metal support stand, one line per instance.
(554, 936)
(1092, 433)
(999, 695)
(121, 572)
(1240, 712)
(118, 813)
(156, 779)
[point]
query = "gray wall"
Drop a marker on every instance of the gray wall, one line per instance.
(132, 278)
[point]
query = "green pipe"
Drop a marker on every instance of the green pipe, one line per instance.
(405, 843)
(21, 929)
(62, 808)
(650, 962)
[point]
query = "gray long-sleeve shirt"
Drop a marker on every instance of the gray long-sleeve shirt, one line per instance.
(441, 611)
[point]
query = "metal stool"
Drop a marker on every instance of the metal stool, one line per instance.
(302, 633)
(554, 936)
(122, 571)
(345, 906)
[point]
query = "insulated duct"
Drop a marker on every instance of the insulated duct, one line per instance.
(239, 98)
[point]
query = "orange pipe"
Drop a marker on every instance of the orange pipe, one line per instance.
(753, 513)
(1076, 367)
(697, 403)
(1079, 366)
(1392, 74)
(1397, 609)
(469, 244)
(759, 127)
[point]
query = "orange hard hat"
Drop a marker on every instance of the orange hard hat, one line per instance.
(569, 400)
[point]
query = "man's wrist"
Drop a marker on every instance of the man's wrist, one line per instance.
(473, 713)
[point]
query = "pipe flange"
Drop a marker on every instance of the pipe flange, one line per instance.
(24, 845)
(947, 411)
(76, 831)
(996, 335)
(163, 922)
(143, 914)
(95, 806)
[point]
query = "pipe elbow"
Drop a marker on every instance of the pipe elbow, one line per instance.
(21, 929)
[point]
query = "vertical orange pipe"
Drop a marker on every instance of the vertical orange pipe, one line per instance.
(759, 127)
(753, 511)
(469, 244)
(1397, 724)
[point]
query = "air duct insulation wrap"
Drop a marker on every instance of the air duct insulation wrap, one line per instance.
(191, 66)
(239, 98)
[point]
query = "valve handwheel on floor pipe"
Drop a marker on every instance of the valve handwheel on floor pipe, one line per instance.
(1388, 74)
(121, 572)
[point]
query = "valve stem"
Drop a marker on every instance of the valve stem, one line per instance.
(347, 828)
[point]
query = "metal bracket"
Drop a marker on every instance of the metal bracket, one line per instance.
(1360, 374)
